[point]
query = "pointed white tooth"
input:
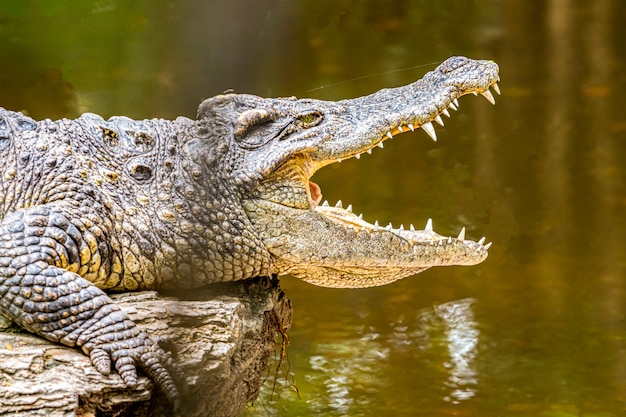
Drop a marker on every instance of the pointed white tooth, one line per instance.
(357, 156)
(461, 234)
(452, 106)
(361, 216)
(487, 94)
(496, 88)
(456, 102)
(325, 203)
(339, 160)
(349, 208)
(481, 241)
(339, 204)
(401, 227)
(380, 145)
(488, 245)
(389, 227)
(439, 120)
(389, 135)
(376, 225)
(412, 228)
(411, 127)
(429, 225)
(449, 240)
(475, 93)
(369, 151)
(428, 128)
(446, 112)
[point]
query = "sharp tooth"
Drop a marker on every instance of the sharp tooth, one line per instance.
(411, 127)
(389, 135)
(339, 204)
(449, 240)
(456, 102)
(380, 144)
(349, 208)
(487, 246)
(481, 241)
(376, 226)
(439, 120)
(452, 106)
(369, 151)
(325, 203)
(412, 228)
(357, 156)
(487, 94)
(429, 225)
(475, 93)
(389, 227)
(428, 128)
(361, 216)
(339, 160)
(401, 227)
(496, 88)
(461, 234)
(446, 112)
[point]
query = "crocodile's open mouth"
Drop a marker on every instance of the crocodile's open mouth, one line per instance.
(330, 245)
(345, 217)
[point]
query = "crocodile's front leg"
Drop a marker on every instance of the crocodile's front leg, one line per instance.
(39, 250)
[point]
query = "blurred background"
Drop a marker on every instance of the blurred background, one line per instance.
(538, 329)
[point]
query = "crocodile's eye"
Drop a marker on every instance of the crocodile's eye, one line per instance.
(310, 119)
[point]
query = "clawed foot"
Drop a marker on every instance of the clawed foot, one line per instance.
(119, 342)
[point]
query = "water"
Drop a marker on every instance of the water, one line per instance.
(538, 329)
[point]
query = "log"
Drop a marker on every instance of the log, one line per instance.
(224, 337)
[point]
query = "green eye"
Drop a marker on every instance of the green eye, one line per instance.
(310, 119)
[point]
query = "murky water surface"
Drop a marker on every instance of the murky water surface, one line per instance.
(539, 329)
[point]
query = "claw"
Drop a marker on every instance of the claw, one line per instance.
(125, 367)
(101, 361)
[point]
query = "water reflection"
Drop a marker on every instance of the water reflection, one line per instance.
(462, 336)
(348, 375)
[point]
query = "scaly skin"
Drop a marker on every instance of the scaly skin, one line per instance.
(89, 205)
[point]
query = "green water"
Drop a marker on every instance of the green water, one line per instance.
(539, 329)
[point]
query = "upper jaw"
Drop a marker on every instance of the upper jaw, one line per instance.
(388, 112)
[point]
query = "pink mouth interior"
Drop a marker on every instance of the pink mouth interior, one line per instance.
(315, 194)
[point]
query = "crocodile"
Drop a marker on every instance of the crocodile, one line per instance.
(91, 205)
